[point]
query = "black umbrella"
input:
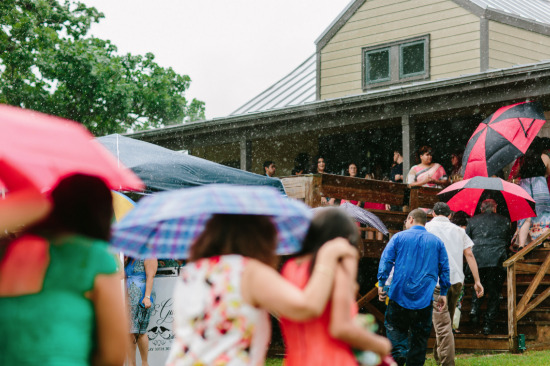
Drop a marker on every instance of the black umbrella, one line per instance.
(163, 169)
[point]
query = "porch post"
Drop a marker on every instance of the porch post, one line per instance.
(408, 133)
(246, 155)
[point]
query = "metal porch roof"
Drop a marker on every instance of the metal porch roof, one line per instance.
(298, 87)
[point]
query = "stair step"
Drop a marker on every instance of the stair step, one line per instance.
(478, 341)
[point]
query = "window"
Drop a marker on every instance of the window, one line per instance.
(396, 62)
(378, 65)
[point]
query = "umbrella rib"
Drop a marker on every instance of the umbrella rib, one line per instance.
(522, 127)
(531, 124)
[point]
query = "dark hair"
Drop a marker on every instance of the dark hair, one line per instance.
(316, 161)
(327, 224)
(267, 163)
(352, 163)
(301, 164)
(398, 150)
(419, 216)
(423, 150)
(82, 204)
(460, 218)
(253, 236)
(532, 164)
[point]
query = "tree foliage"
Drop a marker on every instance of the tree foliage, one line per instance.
(49, 64)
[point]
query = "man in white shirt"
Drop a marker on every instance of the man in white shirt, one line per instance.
(458, 245)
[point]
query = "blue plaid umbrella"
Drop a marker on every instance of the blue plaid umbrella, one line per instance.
(165, 224)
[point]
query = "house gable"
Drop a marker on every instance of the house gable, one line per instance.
(467, 36)
(454, 41)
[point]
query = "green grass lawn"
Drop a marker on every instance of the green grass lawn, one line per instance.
(533, 358)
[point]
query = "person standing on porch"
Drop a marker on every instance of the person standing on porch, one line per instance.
(458, 245)
(269, 168)
(418, 258)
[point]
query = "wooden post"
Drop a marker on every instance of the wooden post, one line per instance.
(512, 316)
(408, 135)
(246, 155)
(312, 191)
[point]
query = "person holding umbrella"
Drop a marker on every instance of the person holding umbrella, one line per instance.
(490, 233)
(60, 295)
(231, 236)
(532, 172)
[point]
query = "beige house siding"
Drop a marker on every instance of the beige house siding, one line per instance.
(509, 46)
(454, 40)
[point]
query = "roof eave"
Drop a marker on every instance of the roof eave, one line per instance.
(373, 96)
(338, 23)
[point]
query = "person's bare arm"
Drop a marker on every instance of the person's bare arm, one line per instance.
(473, 267)
(546, 161)
(111, 320)
(23, 204)
(283, 298)
(151, 266)
(342, 325)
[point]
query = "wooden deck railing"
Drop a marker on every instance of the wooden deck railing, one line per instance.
(515, 265)
(312, 187)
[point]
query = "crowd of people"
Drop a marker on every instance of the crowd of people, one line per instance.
(426, 173)
(60, 299)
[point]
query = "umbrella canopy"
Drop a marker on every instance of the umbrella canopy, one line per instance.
(45, 149)
(501, 138)
(164, 225)
(122, 204)
(162, 169)
(361, 215)
(467, 195)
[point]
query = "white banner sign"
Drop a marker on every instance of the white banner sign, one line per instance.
(159, 330)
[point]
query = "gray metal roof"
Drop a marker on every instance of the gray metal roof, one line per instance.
(537, 10)
(296, 88)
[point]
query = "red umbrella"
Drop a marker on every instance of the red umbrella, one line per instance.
(467, 195)
(501, 138)
(44, 149)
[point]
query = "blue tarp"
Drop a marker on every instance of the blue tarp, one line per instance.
(163, 169)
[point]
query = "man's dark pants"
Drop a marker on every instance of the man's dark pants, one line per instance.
(492, 279)
(408, 330)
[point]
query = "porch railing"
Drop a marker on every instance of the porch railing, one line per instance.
(514, 265)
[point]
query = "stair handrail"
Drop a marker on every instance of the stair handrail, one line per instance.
(526, 250)
(517, 311)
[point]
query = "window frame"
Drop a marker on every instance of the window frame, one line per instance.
(396, 65)
(366, 53)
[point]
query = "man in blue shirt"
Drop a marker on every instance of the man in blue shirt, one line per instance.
(418, 259)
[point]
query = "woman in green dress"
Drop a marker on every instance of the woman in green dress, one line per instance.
(61, 301)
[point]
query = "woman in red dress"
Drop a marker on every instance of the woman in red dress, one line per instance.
(328, 339)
